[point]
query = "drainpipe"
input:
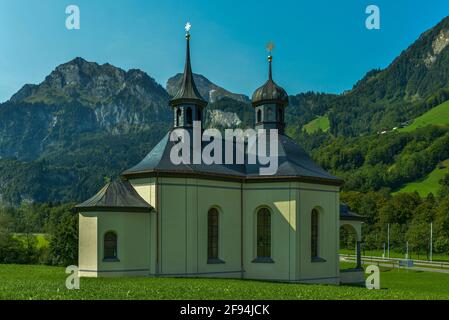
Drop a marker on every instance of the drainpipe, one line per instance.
(241, 230)
(157, 222)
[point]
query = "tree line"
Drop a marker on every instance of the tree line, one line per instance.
(19, 226)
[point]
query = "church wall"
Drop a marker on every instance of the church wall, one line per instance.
(133, 243)
(281, 199)
(87, 247)
(146, 188)
(326, 200)
(184, 204)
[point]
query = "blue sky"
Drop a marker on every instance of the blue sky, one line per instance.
(321, 45)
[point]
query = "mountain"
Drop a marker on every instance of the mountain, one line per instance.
(79, 97)
(86, 123)
(208, 90)
(412, 84)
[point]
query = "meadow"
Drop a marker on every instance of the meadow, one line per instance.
(320, 123)
(438, 115)
(428, 184)
(43, 282)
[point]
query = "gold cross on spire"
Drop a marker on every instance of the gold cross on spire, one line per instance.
(270, 47)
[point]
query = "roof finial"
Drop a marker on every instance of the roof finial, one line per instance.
(270, 47)
(187, 28)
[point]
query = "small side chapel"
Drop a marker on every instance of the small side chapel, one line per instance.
(218, 220)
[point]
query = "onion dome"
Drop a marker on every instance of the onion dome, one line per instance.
(270, 92)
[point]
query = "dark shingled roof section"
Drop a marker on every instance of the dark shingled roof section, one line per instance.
(293, 162)
(270, 92)
(115, 196)
(347, 214)
(188, 92)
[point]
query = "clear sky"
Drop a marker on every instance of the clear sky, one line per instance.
(321, 45)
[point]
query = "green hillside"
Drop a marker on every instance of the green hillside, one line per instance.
(436, 116)
(320, 123)
(430, 183)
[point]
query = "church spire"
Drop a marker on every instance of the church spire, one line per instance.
(188, 92)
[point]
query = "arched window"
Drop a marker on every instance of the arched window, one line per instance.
(263, 233)
(212, 234)
(269, 114)
(280, 115)
(314, 233)
(189, 116)
(110, 245)
(199, 114)
(178, 116)
(259, 116)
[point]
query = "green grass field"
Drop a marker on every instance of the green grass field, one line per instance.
(43, 282)
(317, 124)
(428, 184)
(436, 116)
(41, 238)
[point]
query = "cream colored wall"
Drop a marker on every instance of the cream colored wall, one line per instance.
(87, 248)
(282, 200)
(133, 242)
(327, 200)
(183, 208)
(146, 188)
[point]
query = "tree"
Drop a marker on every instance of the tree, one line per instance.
(64, 240)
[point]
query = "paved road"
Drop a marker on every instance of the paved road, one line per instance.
(393, 265)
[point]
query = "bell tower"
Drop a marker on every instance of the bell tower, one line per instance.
(187, 104)
(269, 101)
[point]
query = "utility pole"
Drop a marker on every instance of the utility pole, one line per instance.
(388, 240)
(406, 250)
(431, 238)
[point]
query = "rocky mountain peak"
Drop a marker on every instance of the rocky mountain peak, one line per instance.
(208, 90)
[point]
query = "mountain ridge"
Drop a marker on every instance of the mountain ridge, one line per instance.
(60, 138)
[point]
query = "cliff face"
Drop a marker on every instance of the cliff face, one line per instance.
(76, 98)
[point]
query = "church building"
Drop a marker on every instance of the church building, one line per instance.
(218, 220)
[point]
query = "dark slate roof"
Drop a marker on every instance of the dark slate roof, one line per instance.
(188, 92)
(270, 92)
(347, 214)
(293, 162)
(116, 195)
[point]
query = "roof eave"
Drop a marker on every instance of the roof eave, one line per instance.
(113, 209)
(246, 179)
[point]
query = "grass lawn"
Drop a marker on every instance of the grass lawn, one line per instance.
(317, 124)
(43, 282)
(428, 184)
(436, 116)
